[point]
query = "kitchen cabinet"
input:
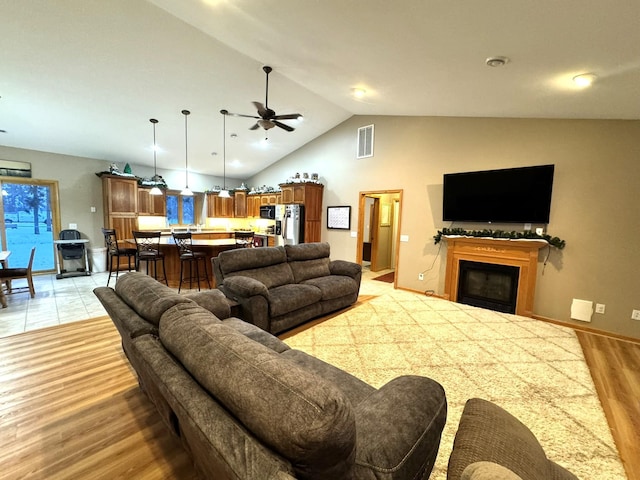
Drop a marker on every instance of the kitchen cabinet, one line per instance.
(151, 204)
(309, 195)
(253, 206)
(120, 204)
(240, 204)
(219, 207)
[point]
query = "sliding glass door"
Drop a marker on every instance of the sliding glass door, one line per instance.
(28, 213)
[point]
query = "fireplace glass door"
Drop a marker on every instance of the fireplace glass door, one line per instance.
(488, 285)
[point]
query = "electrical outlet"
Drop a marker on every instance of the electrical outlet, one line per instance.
(635, 314)
(600, 307)
(421, 276)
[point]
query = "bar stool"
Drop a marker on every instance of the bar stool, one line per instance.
(114, 252)
(148, 251)
(187, 255)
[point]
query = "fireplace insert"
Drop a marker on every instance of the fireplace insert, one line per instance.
(488, 285)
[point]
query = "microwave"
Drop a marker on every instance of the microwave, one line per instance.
(268, 211)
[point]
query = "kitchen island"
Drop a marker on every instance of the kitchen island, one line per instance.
(211, 246)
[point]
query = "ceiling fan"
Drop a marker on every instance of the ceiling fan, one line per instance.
(266, 117)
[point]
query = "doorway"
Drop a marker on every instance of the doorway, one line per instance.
(379, 214)
(29, 217)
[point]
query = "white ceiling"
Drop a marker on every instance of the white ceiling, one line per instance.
(83, 77)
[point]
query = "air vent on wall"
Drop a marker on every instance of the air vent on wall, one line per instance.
(365, 142)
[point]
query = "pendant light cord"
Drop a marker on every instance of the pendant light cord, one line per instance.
(186, 149)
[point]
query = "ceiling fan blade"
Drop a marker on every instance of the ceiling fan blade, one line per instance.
(241, 115)
(283, 126)
(262, 111)
(289, 116)
(254, 127)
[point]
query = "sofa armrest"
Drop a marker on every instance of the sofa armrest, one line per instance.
(243, 287)
(213, 300)
(399, 428)
(343, 267)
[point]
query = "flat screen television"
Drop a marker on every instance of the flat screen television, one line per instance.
(511, 195)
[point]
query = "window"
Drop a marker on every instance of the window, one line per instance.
(181, 209)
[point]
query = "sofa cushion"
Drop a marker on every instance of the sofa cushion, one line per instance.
(489, 433)
(213, 300)
(291, 297)
(244, 259)
(257, 334)
(307, 251)
(488, 471)
(197, 314)
(333, 286)
(303, 417)
(308, 260)
(271, 276)
(149, 299)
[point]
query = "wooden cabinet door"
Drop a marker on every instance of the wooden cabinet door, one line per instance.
(144, 202)
(120, 195)
(151, 204)
(124, 226)
(253, 206)
(222, 207)
(240, 204)
(159, 205)
(286, 193)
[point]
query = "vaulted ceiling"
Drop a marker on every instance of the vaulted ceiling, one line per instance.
(83, 77)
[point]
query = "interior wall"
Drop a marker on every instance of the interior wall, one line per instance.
(80, 188)
(594, 206)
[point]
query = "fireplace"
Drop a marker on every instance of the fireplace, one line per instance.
(521, 255)
(488, 285)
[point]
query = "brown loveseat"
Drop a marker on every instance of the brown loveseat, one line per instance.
(278, 288)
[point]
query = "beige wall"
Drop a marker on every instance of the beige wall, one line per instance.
(80, 188)
(594, 207)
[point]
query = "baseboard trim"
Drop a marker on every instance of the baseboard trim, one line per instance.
(586, 329)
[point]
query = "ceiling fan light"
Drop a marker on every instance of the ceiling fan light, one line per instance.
(584, 79)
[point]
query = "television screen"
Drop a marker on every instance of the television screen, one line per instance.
(511, 195)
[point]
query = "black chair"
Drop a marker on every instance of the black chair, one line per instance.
(71, 251)
(9, 274)
(188, 256)
(114, 253)
(148, 251)
(244, 239)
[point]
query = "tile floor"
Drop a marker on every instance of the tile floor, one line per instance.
(72, 299)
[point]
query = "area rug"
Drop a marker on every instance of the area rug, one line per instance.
(534, 370)
(387, 277)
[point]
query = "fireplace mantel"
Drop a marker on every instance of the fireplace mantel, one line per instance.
(518, 253)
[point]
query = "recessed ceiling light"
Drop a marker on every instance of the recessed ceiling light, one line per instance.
(358, 92)
(585, 79)
(497, 61)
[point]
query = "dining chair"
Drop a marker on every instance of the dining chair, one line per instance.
(148, 251)
(7, 275)
(115, 253)
(190, 257)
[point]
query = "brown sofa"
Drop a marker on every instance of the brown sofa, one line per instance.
(246, 406)
(278, 288)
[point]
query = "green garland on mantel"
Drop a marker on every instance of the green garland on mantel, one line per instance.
(553, 241)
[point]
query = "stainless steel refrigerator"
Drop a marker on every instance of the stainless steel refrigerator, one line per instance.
(289, 228)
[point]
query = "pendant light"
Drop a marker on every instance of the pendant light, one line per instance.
(224, 193)
(186, 191)
(155, 190)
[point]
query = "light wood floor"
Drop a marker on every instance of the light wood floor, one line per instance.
(70, 407)
(615, 369)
